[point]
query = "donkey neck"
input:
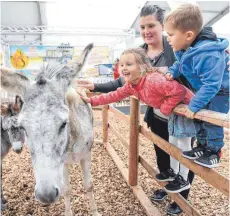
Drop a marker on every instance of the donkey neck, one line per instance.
(80, 138)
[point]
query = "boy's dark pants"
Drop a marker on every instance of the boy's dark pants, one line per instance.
(209, 134)
(160, 127)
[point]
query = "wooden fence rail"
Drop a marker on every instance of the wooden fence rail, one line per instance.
(131, 174)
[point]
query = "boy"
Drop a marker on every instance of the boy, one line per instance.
(202, 59)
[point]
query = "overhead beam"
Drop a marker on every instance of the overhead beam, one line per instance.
(218, 17)
(39, 17)
(63, 30)
(174, 4)
(3, 42)
(23, 43)
(132, 26)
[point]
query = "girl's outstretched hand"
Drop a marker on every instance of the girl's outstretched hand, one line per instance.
(83, 97)
(86, 99)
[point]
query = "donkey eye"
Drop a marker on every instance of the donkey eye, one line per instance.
(22, 128)
(62, 126)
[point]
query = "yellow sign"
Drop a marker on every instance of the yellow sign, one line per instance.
(19, 60)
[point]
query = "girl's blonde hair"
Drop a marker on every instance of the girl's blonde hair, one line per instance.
(141, 57)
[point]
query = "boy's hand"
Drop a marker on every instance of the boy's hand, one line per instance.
(162, 70)
(189, 113)
(86, 84)
(169, 76)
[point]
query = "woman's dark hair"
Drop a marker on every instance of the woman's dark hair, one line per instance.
(153, 10)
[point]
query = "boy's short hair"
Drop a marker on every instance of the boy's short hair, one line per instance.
(186, 17)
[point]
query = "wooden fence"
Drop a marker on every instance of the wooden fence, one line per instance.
(130, 174)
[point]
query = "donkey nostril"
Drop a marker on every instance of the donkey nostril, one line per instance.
(35, 194)
(57, 192)
(18, 151)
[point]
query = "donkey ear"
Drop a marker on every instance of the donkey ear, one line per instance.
(72, 69)
(77, 65)
(13, 82)
(4, 110)
(18, 103)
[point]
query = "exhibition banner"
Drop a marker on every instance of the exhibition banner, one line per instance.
(30, 59)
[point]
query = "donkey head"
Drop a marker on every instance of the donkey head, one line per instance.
(9, 115)
(45, 119)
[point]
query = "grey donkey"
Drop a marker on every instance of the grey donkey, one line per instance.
(58, 127)
(12, 135)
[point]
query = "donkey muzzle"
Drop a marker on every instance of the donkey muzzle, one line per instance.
(46, 193)
(17, 146)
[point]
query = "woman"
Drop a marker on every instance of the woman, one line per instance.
(161, 55)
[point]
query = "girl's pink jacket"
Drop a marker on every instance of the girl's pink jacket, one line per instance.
(153, 89)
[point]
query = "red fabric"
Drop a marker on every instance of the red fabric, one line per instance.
(116, 73)
(154, 90)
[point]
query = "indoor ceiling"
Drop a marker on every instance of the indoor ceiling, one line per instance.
(77, 22)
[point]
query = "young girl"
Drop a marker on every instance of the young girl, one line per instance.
(153, 89)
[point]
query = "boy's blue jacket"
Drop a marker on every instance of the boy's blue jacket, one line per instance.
(205, 67)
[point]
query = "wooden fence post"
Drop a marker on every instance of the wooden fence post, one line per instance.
(134, 141)
(105, 124)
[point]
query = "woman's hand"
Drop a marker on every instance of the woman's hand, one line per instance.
(86, 84)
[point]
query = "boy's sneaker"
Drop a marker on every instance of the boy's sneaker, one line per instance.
(178, 185)
(209, 159)
(158, 195)
(167, 175)
(173, 209)
(194, 153)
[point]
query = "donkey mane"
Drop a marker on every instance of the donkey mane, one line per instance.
(73, 100)
(50, 70)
